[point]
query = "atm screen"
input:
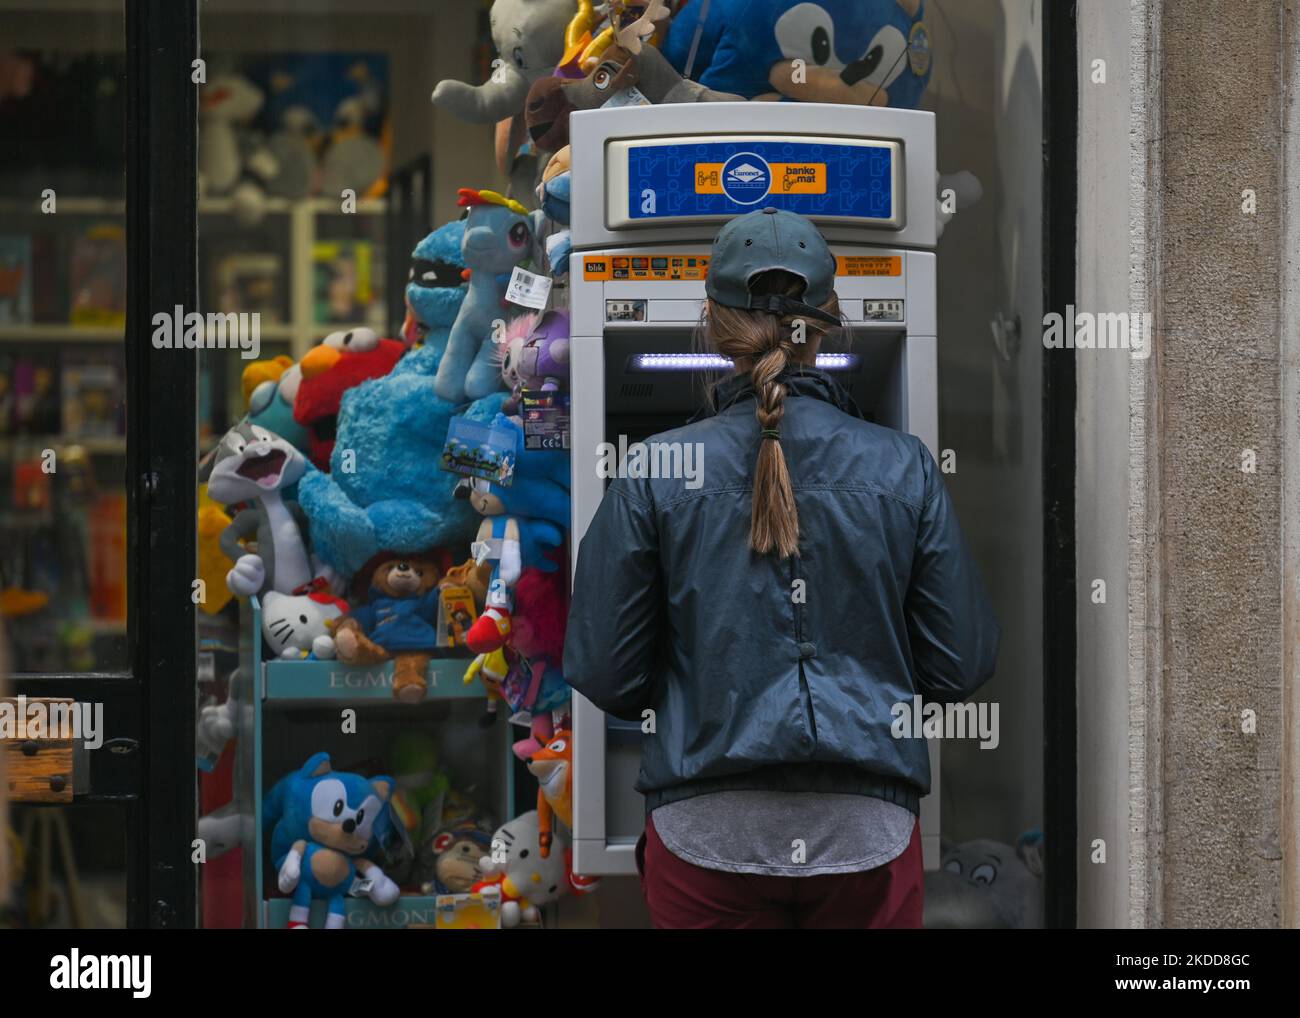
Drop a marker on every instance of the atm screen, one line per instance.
(655, 382)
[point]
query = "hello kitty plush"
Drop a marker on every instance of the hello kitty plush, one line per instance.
(525, 879)
(296, 626)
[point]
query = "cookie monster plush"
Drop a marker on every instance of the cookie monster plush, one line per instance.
(395, 497)
(437, 287)
(863, 52)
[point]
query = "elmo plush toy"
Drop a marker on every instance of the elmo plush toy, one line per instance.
(341, 361)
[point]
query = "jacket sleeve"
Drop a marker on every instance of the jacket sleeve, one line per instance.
(951, 628)
(617, 605)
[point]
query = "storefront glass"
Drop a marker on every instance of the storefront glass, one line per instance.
(330, 199)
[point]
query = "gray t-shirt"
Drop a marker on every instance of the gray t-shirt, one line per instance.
(785, 834)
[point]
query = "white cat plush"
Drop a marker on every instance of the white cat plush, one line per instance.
(526, 880)
(295, 625)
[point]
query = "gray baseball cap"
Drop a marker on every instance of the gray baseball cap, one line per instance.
(765, 240)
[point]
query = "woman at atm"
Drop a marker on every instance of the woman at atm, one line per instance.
(763, 624)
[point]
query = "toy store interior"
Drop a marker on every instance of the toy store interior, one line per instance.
(386, 477)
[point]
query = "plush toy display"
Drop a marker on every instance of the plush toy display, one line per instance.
(437, 288)
(353, 158)
(517, 332)
(213, 562)
(498, 236)
(321, 823)
(524, 527)
(454, 856)
(341, 361)
(493, 668)
(270, 387)
(298, 626)
(253, 465)
(526, 878)
(537, 632)
(529, 37)
(863, 52)
(986, 884)
(556, 192)
(625, 73)
(232, 160)
(399, 622)
(421, 783)
(552, 766)
(539, 360)
(394, 497)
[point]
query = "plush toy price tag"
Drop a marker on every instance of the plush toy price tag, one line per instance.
(631, 96)
(527, 289)
(480, 450)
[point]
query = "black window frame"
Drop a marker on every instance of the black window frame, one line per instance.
(146, 766)
(1060, 633)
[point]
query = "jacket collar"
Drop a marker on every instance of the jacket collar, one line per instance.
(798, 380)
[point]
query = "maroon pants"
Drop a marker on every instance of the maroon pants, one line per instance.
(683, 896)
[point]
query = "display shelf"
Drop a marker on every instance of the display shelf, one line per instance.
(284, 685)
(299, 681)
(109, 446)
(59, 332)
(362, 914)
(221, 206)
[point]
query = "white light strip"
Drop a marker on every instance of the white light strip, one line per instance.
(714, 362)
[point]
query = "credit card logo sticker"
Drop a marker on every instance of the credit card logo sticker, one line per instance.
(746, 178)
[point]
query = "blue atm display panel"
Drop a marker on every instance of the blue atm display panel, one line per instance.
(659, 181)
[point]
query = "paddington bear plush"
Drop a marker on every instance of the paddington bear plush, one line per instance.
(399, 622)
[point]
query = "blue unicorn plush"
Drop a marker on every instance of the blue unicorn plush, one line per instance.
(323, 822)
(498, 236)
(437, 287)
(863, 52)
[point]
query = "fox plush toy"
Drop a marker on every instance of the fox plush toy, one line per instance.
(552, 766)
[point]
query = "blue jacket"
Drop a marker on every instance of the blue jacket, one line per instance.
(758, 681)
(400, 623)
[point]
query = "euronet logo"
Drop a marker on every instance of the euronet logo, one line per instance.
(746, 178)
(746, 173)
(102, 972)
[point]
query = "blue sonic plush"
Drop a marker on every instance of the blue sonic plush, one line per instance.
(322, 825)
(499, 235)
(862, 52)
(386, 491)
(436, 289)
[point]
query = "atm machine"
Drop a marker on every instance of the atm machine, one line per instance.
(651, 187)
